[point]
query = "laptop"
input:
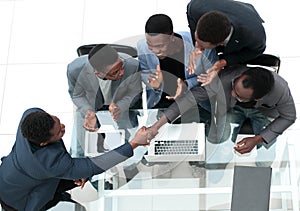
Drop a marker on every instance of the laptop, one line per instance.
(178, 142)
(106, 139)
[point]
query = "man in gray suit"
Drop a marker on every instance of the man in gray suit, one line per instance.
(103, 80)
(242, 92)
(228, 32)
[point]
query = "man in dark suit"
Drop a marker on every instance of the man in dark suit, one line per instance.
(227, 32)
(38, 170)
(102, 80)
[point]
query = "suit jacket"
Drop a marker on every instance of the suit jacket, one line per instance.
(148, 62)
(29, 180)
(277, 104)
(84, 86)
(248, 39)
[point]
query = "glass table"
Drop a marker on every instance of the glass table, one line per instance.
(196, 186)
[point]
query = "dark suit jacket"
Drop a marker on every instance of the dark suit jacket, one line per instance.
(29, 180)
(248, 39)
(84, 85)
(277, 104)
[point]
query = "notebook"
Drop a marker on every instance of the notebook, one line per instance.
(97, 143)
(178, 142)
(251, 188)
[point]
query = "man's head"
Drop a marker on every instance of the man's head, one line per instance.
(159, 34)
(106, 62)
(253, 84)
(212, 30)
(41, 128)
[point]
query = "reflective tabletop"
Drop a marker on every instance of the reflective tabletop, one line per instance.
(187, 185)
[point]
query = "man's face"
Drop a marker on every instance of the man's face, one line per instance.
(203, 45)
(57, 131)
(159, 44)
(112, 72)
(239, 92)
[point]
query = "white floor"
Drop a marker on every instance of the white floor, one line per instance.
(39, 38)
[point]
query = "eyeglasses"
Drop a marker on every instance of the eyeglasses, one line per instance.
(112, 73)
(115, 71)
(237, 97)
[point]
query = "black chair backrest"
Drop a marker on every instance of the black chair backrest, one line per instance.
(85, 49)
(266, 60)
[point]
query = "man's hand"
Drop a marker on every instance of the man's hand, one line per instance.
(142, 137)
(153, 130)
(211, 73)
(80, 182)
(194, 55)
(181, 87)
(155, 79)
(247, 144)
(115, 111)
(90, 121)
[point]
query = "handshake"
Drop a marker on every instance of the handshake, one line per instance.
(143, 136)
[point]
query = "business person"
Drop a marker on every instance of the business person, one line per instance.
(38, 170)
(163, 57)
(243, 92)
(102, 80)
(231, 31)
(170, 51)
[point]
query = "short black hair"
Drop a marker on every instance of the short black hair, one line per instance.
(260, 80)
(213, 27)
(101, 56)
(36, 127)
(159, 24)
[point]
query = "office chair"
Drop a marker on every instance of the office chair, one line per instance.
(85, 49)
(264, 60)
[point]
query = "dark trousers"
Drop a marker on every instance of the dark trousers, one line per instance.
(61, 194)
(6, 207)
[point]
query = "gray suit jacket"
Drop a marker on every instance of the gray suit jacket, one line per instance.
(277, 104)
(84, 85)
(248, 39)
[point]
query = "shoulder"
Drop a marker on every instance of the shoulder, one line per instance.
(78, 63)
(142, 45)
(185, 34)
(233, 71)
(280, 84)
(129, 61)
(54, 157)
(186, 37)
(197, 4)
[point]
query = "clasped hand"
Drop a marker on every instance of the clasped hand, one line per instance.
(115, 111)
(143, 136)
(90, 121)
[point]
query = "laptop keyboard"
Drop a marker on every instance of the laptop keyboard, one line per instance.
(176, 147)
